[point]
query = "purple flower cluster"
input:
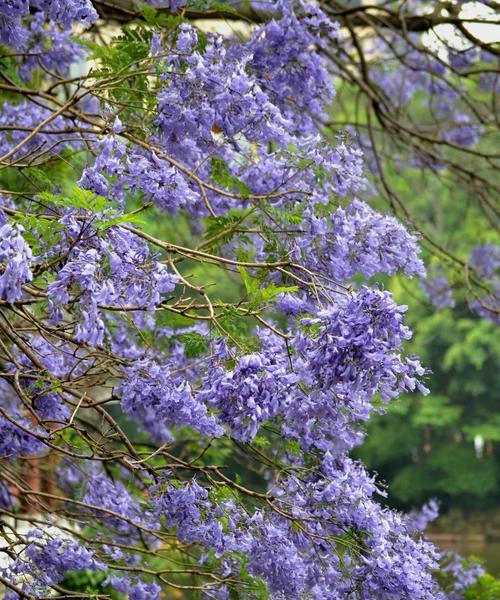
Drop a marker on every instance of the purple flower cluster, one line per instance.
(15, 13)
(437, 289)
(135, 589)
(343, 357)
(15, 262)
(286, 70)
(15, 437)
(153, 395)
(101, 491)
(418, 520)
(56, 56)
(486, 261)
(6, 499)
(16, 426)
(17, 120)
(54, 557)
(357, 349)
(358, 239)
(253, 392)
(45, 560)
(464, 574)
(188, 508)
(235, 130)
(228, 101)
(115, 269)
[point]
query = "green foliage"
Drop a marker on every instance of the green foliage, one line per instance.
(460, 472)
(124, 51)
(439, 412)
(221, 175)
(79, 199)
(90, 582)
(486, 588)
(39, 231)
(124, 62)
(221, 230)
(156, 18)
(194, 344)
(211, 5)
(253, 587)
(89, 203)
(489, 430)
(9, 65)
(293, 447)
(449, 469)
(261, 442)
(424, 446)
(260, 295)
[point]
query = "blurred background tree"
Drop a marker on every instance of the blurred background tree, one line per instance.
(430, 133)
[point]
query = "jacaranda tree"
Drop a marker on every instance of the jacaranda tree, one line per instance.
(191, 333)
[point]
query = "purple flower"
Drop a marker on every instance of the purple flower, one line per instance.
(437, 289)
(15, 262)
(486, 260)
(359, 240)
(418, 520)
(156, 397)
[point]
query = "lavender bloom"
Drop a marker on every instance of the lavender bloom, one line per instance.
(53, 558)
(464, 133)
(15, 427)
(16, 441)
(286, 71)
(486, 260)
(418, 520)
(276, 558)
(112, 270)
(102, 492)
(6, 498)
(253, 392)
(437, 289)
(137, 590)
(57, 57)
(355, 355)
(488, 307)
(462, 59)
(188, 508)
(15, 262)
(358, 239)
(357, 349)
(155, 397)
(15, 14)
(67, 11)
(464, 574)
(11, 31)
(25, 116)
(45, 561)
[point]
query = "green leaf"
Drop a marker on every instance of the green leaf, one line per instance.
(271, 291)
(78, 198)
(194, 344)
(102, 225)
(221, 175)
(293, 447)
(251, 284)
(260, 442)
(149, 13)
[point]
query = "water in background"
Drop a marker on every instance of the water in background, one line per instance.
(484, 549)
